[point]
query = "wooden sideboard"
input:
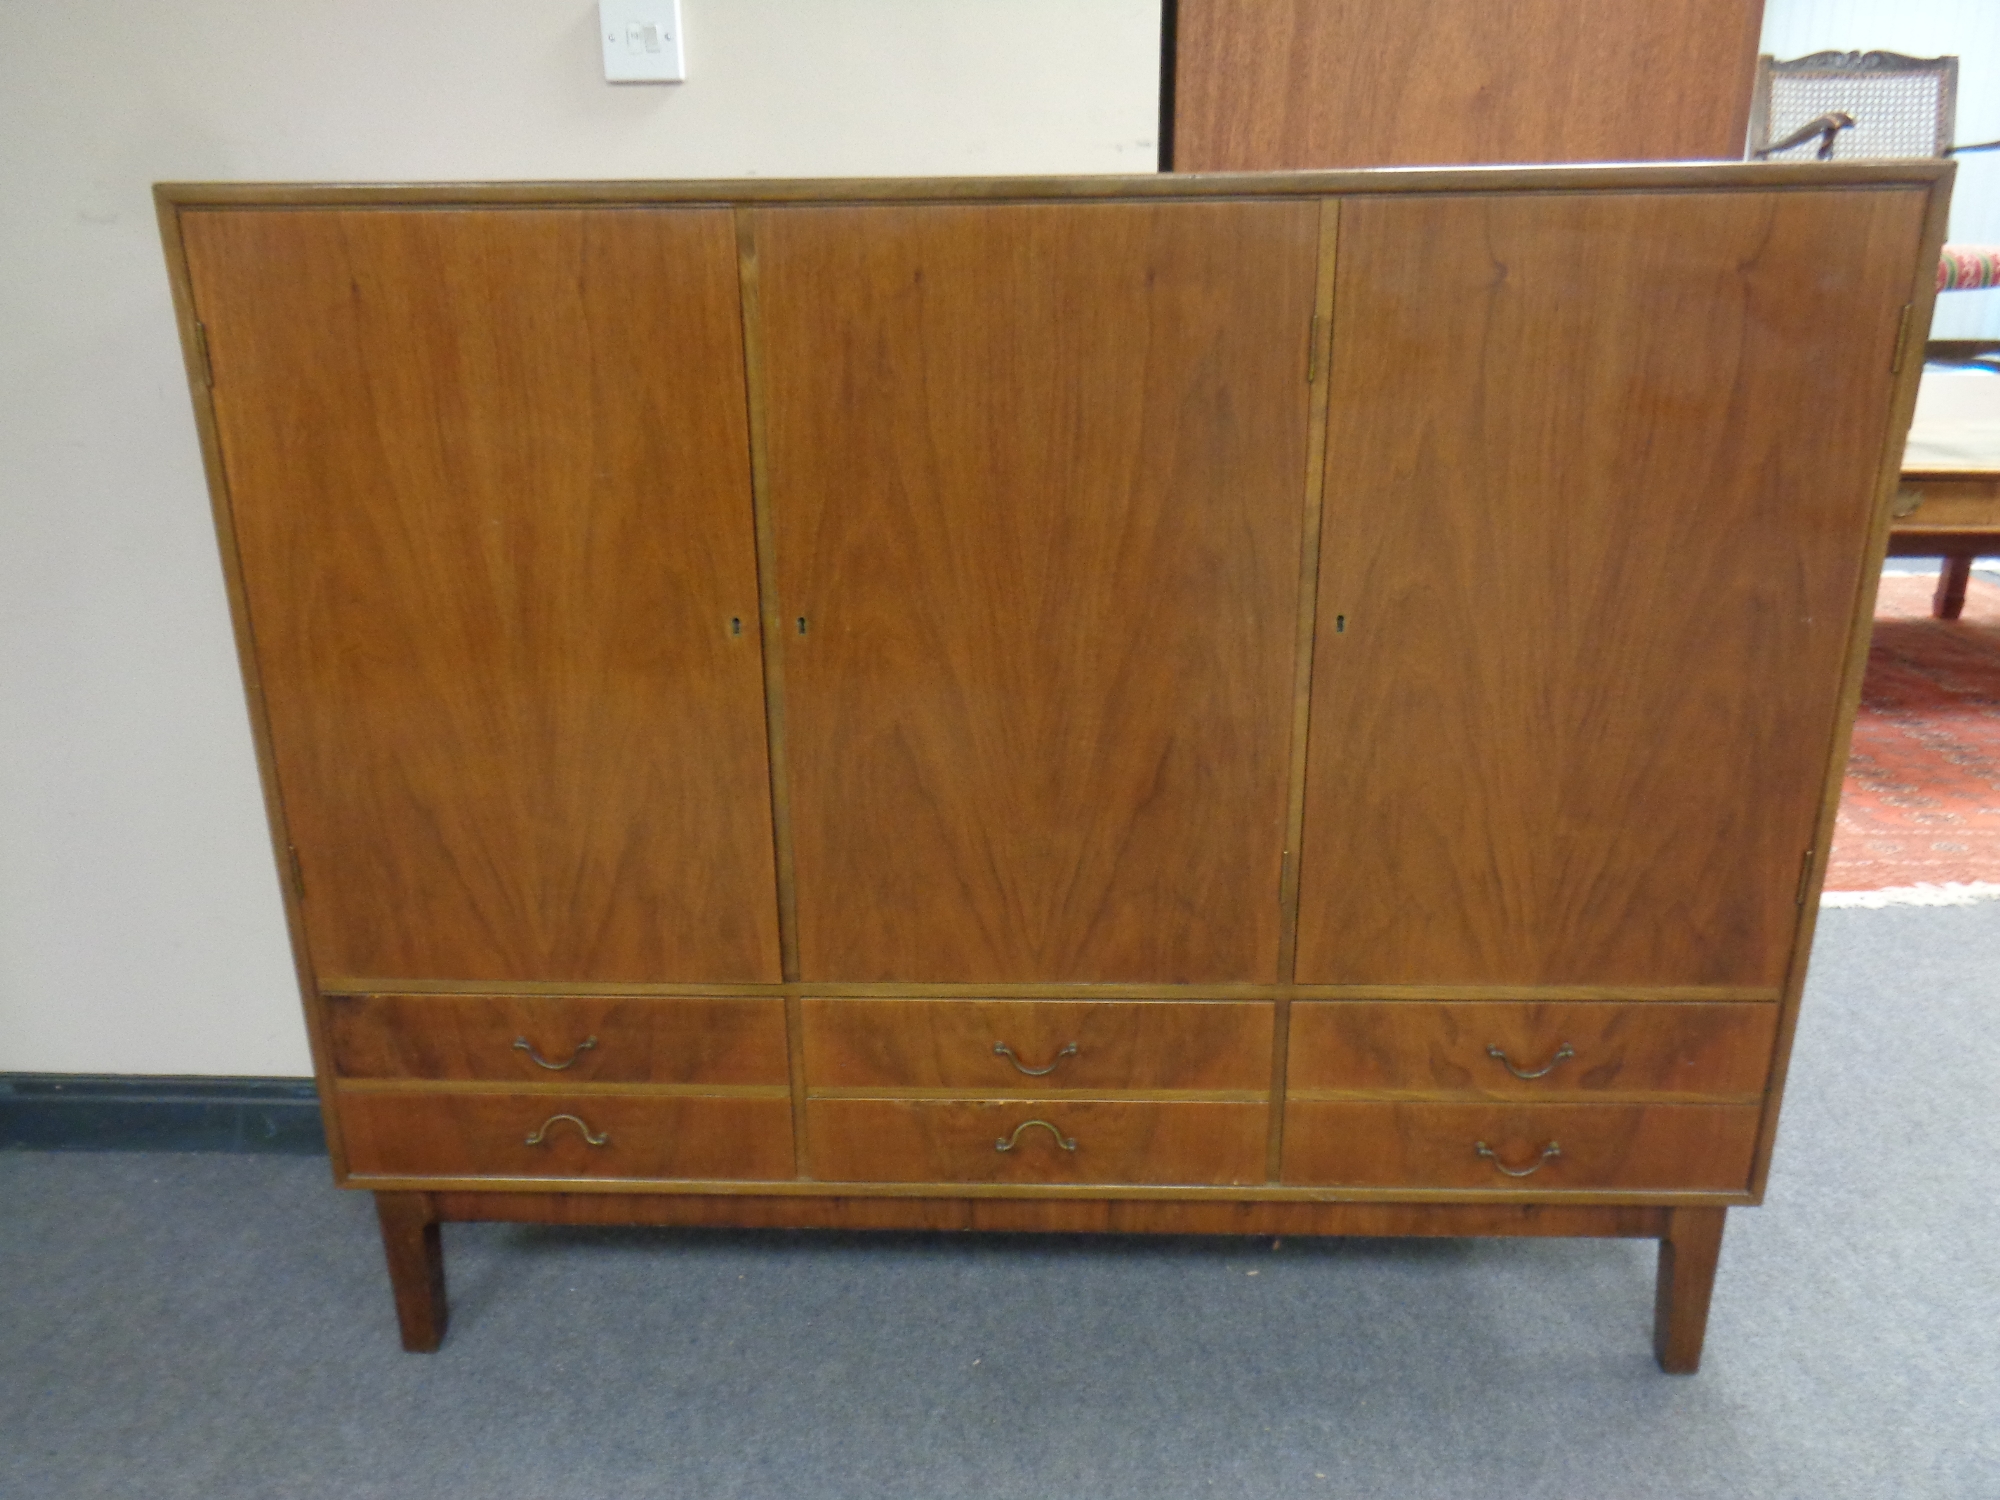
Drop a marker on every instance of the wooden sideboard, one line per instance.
(1302, 704)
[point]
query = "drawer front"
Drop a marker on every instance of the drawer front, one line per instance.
(1949, 504)
(572, 1039)
(1050, 1044)
(1601, 1047)
(959, 1140)
(1553, 1147)
(487, 1135)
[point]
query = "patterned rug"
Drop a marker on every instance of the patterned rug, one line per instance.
(1919, 820)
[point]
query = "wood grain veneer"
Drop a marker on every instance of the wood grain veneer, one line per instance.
(1058, 1215)
(1081, 1044)
(1036, 477)
(719, 1041)
(489, 480)
(1623, 1050)
(1577, 579)
(485, 1134)
(1634, 1147)
(1277, 84)
(912, 1140)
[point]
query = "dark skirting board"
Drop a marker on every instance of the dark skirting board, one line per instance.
(124, 1112)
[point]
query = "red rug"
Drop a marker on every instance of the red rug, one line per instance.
(1919, 818)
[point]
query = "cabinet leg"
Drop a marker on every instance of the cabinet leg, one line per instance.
(1949, 600)
(1688, 1252)
(416, 1267)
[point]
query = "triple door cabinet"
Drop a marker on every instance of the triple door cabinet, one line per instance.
(1303, 704)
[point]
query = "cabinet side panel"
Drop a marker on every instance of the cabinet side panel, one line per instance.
(1036, 474)
(1275, 84)
(489, 478)
(1600, 477)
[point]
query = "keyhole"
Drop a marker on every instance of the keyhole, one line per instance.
(1339, 623)
(736, 625)
(802, 624)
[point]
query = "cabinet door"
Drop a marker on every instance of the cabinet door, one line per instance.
(1600, 475)
(1038, 481)
(488, 474)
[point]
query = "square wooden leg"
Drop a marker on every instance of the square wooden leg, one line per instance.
(1948, 603)
(1688, 1253)
(416, 1267)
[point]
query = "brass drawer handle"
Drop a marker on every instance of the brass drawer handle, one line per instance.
(522, 1044)
(542, 1131)
(1008, 1143)
(1001, 1049)
(1549, 1153)
(1563, 1054)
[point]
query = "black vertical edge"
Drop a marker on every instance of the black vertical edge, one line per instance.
(1170, 21)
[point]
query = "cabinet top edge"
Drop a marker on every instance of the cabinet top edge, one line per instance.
(722, 192)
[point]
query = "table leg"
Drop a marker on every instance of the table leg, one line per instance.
(1949, 600)
(416, 1267)
(1688, 1253)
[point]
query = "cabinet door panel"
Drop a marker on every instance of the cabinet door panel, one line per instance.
(1037, 475)
(489, 479)
(1599, 479)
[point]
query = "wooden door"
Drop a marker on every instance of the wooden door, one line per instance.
(1264, 85)
(1598, 493)
(1038, 482)
(489, 480)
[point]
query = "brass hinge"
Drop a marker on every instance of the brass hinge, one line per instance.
(1805, 878)
(298, 871)
(201, 350)
(1902, 333)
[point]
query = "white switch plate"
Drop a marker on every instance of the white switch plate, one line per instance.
(642, 41)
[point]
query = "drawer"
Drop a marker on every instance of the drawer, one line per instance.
(577, 1039)
(1050, 1044)
(1631, 1147)
(1637, 1049)
(479, 1134)
(1948, 504)
(959, 1140)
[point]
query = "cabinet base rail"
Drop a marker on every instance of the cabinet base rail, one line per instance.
(1690, 1238)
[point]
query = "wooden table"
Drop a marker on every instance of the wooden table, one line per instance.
(1949, 504)
(1954, 514)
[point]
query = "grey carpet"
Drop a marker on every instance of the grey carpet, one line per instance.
(220, 1326)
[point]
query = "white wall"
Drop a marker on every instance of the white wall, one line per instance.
(140, 925)
(1966, 29)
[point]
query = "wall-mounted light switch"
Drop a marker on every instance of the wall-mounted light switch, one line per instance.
(642, 41)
